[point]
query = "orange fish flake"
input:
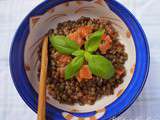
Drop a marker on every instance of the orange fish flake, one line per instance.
(120, 71)
(105, 44)
(84, 73)
(79, 35)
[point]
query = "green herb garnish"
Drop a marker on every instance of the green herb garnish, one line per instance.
(63, 44)
(93, 41)
(78, 53)
(73, 67)
(99, 65)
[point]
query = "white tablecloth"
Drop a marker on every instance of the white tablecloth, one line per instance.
(146, 107)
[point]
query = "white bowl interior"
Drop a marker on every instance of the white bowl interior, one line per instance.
(39, 26)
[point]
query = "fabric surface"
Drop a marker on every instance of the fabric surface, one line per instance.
(146, 107)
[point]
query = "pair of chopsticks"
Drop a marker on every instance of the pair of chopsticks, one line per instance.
(42, 83)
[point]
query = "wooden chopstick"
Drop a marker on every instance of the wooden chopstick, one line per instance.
(42, 83)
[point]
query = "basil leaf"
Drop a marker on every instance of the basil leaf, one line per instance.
(78, 53)
(87, 55)
(63, 44)
(93, 41)
(101, 67)
(73, 67)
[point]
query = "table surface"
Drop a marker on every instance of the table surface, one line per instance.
(146, 107)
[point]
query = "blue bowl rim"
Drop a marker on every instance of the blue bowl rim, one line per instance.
(46, 5)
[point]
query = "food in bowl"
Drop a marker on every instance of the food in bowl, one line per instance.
(86, 61)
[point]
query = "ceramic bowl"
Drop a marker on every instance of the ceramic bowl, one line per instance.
(24, 60)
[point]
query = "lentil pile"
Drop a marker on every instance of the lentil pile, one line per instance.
(87, 91)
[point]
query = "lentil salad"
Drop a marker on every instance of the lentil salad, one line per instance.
(85, 87)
